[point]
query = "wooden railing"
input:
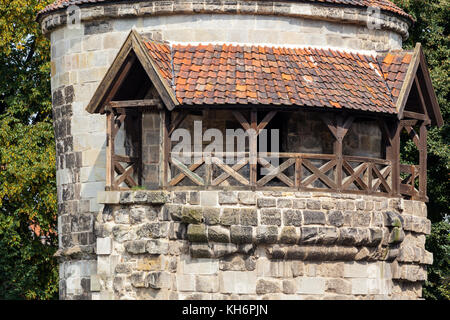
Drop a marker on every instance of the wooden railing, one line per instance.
(300, 171)
(410, 175)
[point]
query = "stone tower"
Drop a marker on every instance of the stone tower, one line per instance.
(339, 217)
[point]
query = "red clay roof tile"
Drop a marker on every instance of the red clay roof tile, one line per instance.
(281, 76)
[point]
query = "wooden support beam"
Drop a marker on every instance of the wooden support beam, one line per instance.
(410, 123)
(266, 164)
(274, 172)
(413, 135)
(119, 80)
(167, 145)
(191, 175)
(253, 148)
(423, 161)
(421, 98)
(394, 156)
(230, 171)
(182, 175)
(415, 115)
(241, 120)
(109, 150)
(135, 103)
(324, 169)
(236, 167)
(176, 122)
(265, 121)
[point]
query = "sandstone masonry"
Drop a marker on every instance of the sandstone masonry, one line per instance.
(284, 245)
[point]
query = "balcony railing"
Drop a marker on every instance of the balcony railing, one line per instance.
(299, 171)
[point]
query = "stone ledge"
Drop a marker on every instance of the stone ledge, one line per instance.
(133, 197)
(359, 16)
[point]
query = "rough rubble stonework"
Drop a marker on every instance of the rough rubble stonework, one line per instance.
(194, 244)
(259, 245)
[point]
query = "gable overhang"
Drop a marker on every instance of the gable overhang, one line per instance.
(428, 95)
(133, 49)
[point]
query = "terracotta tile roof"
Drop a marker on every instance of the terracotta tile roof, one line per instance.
(234, 74)
(394, 66)
(382, 4)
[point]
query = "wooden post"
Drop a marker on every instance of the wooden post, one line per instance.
(298, 172)
(167, 145)
(395, 158)
(253, 148)
(423, 162)
(338, 152)
(109, 150)
(164, 117)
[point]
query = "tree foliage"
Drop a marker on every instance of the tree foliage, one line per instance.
(27, 157)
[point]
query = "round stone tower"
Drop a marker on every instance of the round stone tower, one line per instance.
(296, 242)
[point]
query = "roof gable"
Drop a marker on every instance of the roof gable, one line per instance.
(408, 70)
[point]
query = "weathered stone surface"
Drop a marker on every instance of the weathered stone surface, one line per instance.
(191, 214)
(153, 230)
(207, 284)
(298, 203)
(306, 285)
(177, 230)
(201, 250)
(248, 217)
(157, 197)
(270, 217)
(289, 286)
(237, 282)
(194, 197)
(247, 198)
(336, 218)
(233, 263)
(230, 216)
(197, 233)
(284, 203)
(392, 219)
(157, 246)
(228, 197)
(339, 286)
(218, 234)
(313, 204)
(361, 219)
(136, 246)
(267, 234)
(241, 234)
(138, 279)
(397, 235)
(267, 286)
(174, 211)
(313, 217)
(309, 235)
(138, 215)
(209, 198)
(289, 235)
(211, 215)
(266, 202)
(292, 217)
(158, 280)
(179, 197)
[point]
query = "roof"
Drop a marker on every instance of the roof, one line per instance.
(235, 74)
(395, 66)
(187, 75)
(384, 5)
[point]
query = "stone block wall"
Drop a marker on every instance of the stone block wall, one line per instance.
(259, 245)
(81, 55)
